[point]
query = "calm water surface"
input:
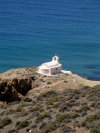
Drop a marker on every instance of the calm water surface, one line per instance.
(31, 32)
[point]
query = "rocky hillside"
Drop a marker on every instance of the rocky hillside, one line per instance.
(63, 103)
(16, 83)
(68, 111)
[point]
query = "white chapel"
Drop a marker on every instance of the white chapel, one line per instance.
(51, 68)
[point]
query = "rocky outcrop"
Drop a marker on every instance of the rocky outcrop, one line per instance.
(8, 92)
(22, 85)
(15, 82)
(10, 89)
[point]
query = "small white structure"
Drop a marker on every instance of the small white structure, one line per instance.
(51, 68)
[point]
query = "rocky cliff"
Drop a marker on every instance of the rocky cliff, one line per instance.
(16, 82)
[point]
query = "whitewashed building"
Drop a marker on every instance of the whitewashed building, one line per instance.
(51, 68)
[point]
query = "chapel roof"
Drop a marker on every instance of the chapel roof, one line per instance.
(50, 64)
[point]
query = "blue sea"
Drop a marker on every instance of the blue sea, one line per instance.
(33, 31)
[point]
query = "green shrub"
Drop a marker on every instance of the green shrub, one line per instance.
(69, 104)
(91, 118)
(94, 91)
(74, 115)
(84, 123)
(2, 113)
(48, 128)
(13, 103)
(49, 82)
(36, 108)
(5, 121)
(50, 101)
(63, 108)
(47, 94)
(62, 117)
(56, 105)
(77, 91)
(41, 116)
(20, 107)
(22, 124)
(85, 108)
(66, 129)
(93, 124)
(86, 87)
(95, 130)
(24, 113)
(10, 111)
(50, 93)
(27, 99)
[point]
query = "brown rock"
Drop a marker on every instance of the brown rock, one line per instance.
(23, 86)
(9, 89)
(15, 82)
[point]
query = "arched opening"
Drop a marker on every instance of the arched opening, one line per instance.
(54, 58)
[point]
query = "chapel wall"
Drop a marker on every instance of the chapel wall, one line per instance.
(43, 71)
(56, 70)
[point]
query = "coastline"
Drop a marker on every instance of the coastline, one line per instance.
(15, 83)
(28, 72)
(37, 100)
(29, 81)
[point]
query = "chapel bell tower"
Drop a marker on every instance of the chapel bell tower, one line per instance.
(55, 58)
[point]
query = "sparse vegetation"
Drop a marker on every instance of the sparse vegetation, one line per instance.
(56, 112)
(46, 94)
(49, 128)
(74, 115)
(50, 101)
(95, 130)
(27, 99)
(67, 129)
(77, 91)
(41, 116)
(20, 107)
(35, 108)
(91, 119)
(5, 121)
(10, 111)
(62, 117)
(85, 108)
(84, 123)
(22, 124)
